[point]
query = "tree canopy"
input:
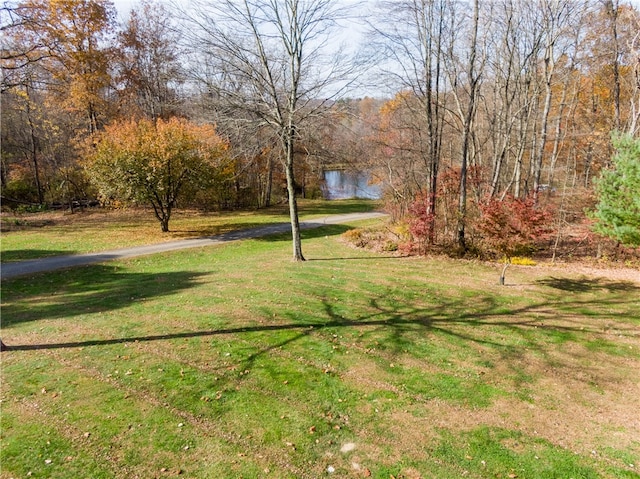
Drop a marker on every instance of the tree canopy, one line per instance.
(156, 163)
(617, 213)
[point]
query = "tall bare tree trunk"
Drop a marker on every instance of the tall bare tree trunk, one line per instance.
(269, 181)
(612, 8)
(474, 81)
(33, 145)
(291, 190)
(433, 115)
(549, 64)
(556, 16)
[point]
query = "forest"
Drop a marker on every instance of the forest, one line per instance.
(487, 124)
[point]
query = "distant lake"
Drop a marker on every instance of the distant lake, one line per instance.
(339, 185)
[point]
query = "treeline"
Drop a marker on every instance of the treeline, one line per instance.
(503, 99)
(473, 101)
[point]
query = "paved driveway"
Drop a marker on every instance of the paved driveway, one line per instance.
(20, 268)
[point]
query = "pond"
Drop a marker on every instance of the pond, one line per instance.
(340, 184)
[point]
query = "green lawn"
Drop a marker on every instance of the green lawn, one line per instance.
(232, 361)
(30, 236)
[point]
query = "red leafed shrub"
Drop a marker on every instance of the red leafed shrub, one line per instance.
(512, 226)
(421, 221)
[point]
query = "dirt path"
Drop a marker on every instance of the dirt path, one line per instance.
(613, 274)
(21, 268)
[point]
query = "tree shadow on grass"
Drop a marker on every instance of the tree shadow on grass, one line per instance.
(338, 207)
(103, 288)
(396, 322)
(218, 230)
(27, 254)
(587, 285)
(87, 290)
(273, 232)
(307, 231)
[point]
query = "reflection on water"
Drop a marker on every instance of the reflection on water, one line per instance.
(348, 184)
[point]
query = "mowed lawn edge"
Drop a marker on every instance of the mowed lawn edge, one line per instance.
(233, 361)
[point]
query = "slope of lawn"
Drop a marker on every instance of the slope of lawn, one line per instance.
(232, 361)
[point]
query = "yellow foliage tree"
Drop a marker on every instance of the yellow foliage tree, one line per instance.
(156, 163)
(69, 37)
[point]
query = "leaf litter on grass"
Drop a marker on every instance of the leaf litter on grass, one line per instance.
(408, 364)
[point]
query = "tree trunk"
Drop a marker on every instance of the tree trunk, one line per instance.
(293, 204)
(268, 181)
(612, 11)
(537, 164)
(474, 80)
(164, 224)
(34, 149)
(293, 213)
(163, 214)
(504, 270)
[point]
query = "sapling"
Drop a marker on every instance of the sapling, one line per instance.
(510, 227)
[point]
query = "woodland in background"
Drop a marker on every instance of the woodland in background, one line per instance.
(497, 101)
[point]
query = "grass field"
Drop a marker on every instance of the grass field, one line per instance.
(30, 236)
(232, 361)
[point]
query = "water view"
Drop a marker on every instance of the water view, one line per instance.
(340, 184)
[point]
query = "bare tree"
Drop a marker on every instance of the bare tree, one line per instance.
(508, 101)
(556, 16)
(269, 63)
(408, 36)
(612, 9)
(148, 62)
(634, 115)
(466, 83)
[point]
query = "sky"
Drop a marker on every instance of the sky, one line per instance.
(124, 6)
